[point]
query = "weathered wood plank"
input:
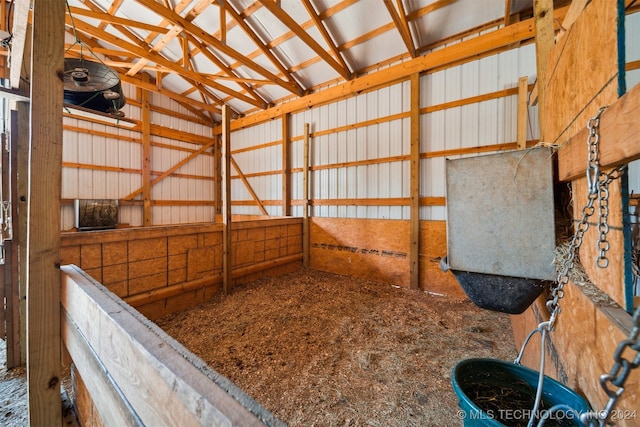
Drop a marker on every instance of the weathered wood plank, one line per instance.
(619, 138)
(43, 287)
(96, 378)
(581, 76)
(164, 383)
(543, 15)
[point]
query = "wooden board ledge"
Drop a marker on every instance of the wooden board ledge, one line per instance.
(619, 139)
(160, 380)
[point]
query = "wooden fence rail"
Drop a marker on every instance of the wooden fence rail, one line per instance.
(138, 375)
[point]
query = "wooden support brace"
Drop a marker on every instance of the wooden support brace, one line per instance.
(249, 188)
(414, 233)
(286, 170)
(146, 153)
(305, 196)
(522, 112)
(226, 199)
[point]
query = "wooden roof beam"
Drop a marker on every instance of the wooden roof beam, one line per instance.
(215, 43)
(325, 34)
(204, 50)
(261, 45)
(108, 18)
(173, 95)
(160, 60)
(305, 37)
(401, 24)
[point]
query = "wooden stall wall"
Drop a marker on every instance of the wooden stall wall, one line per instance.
(105, 158)
(379, 250)
(581, 78)
(128, 372)
(160, 270)
(361, 142)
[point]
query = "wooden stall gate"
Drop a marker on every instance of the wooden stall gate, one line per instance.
(138, 375)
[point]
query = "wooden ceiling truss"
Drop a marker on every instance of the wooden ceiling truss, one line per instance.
(242, 80)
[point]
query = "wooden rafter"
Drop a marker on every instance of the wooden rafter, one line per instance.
(215, 43)
(159, 59)
(204, 50)
(261, 45)
(110, 19)
(325, 33)
(176, 96)
(304, 36)
(400, 21)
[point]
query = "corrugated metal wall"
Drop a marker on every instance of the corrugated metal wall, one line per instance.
(105, 162)
(347, 136)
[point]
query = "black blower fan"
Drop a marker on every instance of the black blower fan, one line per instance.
(92, 85)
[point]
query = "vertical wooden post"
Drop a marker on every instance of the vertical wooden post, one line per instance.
(414, 234)
(217, 178)
(286, 171)
(146, 153)
(523, 105)
(21, 220)
(43, 283)
(226, 199)
(14, 321)
(543, 14)
(305, 201)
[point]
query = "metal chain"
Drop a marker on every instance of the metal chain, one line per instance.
(598, 188)
(613, 382)
(598, 183)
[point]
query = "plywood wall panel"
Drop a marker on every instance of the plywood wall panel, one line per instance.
(361, 248)
(580, 69)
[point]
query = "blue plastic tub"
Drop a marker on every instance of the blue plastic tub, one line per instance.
(483, 386)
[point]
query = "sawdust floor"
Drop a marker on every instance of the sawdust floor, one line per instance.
(319, 349)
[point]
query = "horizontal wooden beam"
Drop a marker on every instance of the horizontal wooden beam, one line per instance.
(619, 139)
(162, 381)
(518, 32)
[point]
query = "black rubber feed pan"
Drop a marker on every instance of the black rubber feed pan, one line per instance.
(500, 293)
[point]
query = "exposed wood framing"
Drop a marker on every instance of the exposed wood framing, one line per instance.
(520, 31)
(175, 167)
(226, 199)
(143, 377)
(305, 197)
(286, 167)
(19, 41)
(414, 227)
(619, 143)
(217, 174)
(543, 11)
(304, 36)
(248, 186)
(523, 106)
(325, 34)
(146, 154)
(400, 21)
(10, 315)
(21, 221)
(43, 287)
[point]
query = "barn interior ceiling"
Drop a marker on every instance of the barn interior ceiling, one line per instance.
(252, 54)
